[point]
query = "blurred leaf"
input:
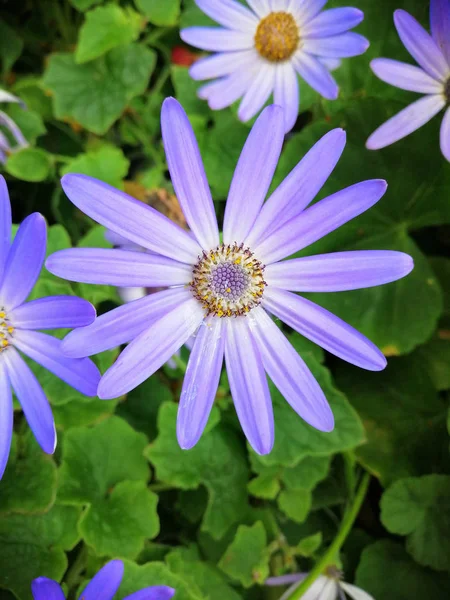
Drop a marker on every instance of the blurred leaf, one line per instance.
(308, 545)
(436, 357)
(29, 122)
(296, 504)
(77, 413)
(217, 462)
(160, 12)
(33, 546)
(84, 4)
(29, 482)
(105, 28)
(193, 15)
(419, 508)
(106, 163)
(11, 46)
(246, 559)
(403, 416)
(29, 89)
(95, 94)
(388, 573)
(186, 91)
(29, 164)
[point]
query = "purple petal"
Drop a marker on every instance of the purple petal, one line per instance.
(24, 261)
(253, 174)
(5, 224)
(122, 324)
(230, 14)
(32, 399)
(445, 135)
(315, 74)
(285, 579)
(46, 589)
(286, 93)
(323, 328)
(221, 64)
(289, 372)
(406, 121)
(404, 76)
(105, 583)
(122, 268)
(258, 92)
(320, 219)
(80, 373)
(151, 349)
(332, 22)
(339, 271)
(53, 312)
(300, 187)
(14, 129)
(223, 92)
(6, 417)
(260, 7)
(130, 218)
(215, 39)
(188, 175)
(248, 385)
(337, 46)
(440, 25)
(421, 45)
(331, 63)
(200, 382)
(305, 11)
(158, 592)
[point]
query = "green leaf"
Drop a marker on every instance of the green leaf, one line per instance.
(193, 15)
(388, 573)
(400, 408)
(105, 28)
(11, 46)
(107, 163)
(29, 482)
(30, 90)
(77, 413)
(309, 545)
(246, 559)
(217, 462)
(96, 94)
(160, 12)
(33, 546)
(29, 122)
(307, 474)
(295, 439)
(436, 357)
(441, 268)
(206, 577)
(119, 524)
(419, 508)
(83, 5)
(95, 459)
(296, 504)
(186, 91)
(30, 164)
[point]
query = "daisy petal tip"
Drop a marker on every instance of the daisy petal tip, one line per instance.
(262, 446)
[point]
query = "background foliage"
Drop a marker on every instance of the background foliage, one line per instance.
(215, 521)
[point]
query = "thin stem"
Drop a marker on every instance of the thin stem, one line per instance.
(344, 530)
(349, 469)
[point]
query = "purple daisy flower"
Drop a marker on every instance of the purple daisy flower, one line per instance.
(20, 265)
(432, 77)
(224, 292)
(263, 48)
(102, 587)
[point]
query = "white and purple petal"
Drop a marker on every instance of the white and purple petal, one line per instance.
(230, 14)
(316, 74)
(223, 92)
(406, 121)
(289, 372)
(258, 92)
(253, 174)
(6, 416)
(53, 312)
(151, 349)
(5, 225)
(339, 271)
(200, 382)
(440, 25)
(300, 187)
(188, 175)
(24, 261)
(221, 64)
(344, 45)
(130, 218)
(43, 588)
(332, 22)
(80, 373)
(306, 10)
(353, 591)
(215, 39)
(421, 45)
(32, 400)
(286, 93)
(319, 220)
(324, 329)
(445, 135)
(122, 268)
(405, 77)
(248, 384)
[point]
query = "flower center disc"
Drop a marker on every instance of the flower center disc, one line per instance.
(277, 36)
(228, 281)
(447, 90)
(6, 330)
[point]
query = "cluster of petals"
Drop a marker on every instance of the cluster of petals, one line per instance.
(20, 264)
(431, 77)
(11, 127)
(241, 70)
(252, 345)
(325, 587)
(103, 586)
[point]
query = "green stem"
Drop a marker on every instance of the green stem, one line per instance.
(349, 469)
(330, 554)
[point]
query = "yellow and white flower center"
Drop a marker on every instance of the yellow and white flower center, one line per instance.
(228, 281)
(277, 36)
(6, 330)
